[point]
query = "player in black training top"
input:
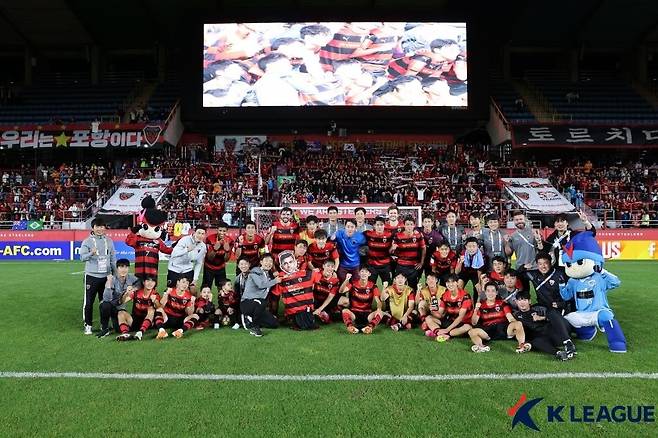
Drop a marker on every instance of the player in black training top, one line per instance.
(548, 331)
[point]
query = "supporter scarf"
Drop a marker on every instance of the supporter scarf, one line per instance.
(475, 261)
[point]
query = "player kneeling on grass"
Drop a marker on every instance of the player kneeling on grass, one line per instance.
(401, 303)
(325, 293)
(176, 311)
(453, 316)
(361, 293)
(548, 330)
(113, 294)
(493, 320)
(145, 301)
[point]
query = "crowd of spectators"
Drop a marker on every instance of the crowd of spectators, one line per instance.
(225, 186)
(438, 179)
(625, 190)
(68, 191)
(465, 179)
(213, 191)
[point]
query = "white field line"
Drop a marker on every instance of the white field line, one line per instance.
(322, 377)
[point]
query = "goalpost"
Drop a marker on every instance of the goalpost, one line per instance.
(264, 217)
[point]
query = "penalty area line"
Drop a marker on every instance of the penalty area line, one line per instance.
(321, 377)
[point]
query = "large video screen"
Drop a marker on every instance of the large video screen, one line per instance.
(335, 64)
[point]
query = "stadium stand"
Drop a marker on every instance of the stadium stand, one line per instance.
(66, 98)
(598, 96)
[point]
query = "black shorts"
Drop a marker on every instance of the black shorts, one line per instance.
(137, 322)
(496, 332)
(361, 319)
(332, 307)
(381, 272)
(174, 322)
(216, 276)
(467, 275)
(172, 277)
(445, 323)
(411, 274)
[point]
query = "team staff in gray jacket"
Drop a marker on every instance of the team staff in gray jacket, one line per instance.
(116, 287)
(97, 251)
(254, 297)
(187, 258)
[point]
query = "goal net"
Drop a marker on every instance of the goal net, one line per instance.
(264, 217)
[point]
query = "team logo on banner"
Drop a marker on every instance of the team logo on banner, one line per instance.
(151, 134)
(548, 196)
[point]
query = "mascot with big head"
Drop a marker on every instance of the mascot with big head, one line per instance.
(588, 285)
(147, 237)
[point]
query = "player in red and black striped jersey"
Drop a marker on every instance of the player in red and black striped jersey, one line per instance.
(361, 293)
(351, 41)
(325, 293)
(301, 254)
(249, 245)
(493, 320)
(443, 262)
(283, 234)
(454, 315)
(409, 247)
(145, 301)
(393, 225)
(440, 60)
(383, 41)
(379, 257)
(219, 247)
(176, 310)
(322, 250)
(296, 290)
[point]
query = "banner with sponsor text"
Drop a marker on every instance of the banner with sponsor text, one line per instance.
(617, 244)
(59, 245)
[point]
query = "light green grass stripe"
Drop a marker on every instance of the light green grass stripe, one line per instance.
(322, 377)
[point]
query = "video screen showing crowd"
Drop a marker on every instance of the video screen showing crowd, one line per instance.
(331, 63)
(387, 273)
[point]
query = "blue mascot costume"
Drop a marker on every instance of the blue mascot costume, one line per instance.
(589, 284)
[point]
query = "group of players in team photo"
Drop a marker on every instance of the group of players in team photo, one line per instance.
(390, 274)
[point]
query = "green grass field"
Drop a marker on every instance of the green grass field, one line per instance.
(42, 332)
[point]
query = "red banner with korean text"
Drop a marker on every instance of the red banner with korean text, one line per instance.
(81, 135)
